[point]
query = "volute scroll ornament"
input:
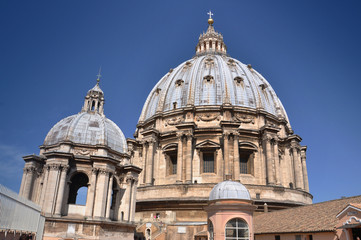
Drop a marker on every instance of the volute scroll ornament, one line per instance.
(173, 121)
(207, 117)
(30, 169)
(83, 151)
(105, 171)
(244, 118)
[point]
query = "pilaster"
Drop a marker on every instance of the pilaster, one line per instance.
(180, 158)
(189, 158)
(60, 197)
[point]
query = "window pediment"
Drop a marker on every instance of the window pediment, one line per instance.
(170, 147)
(207, 144)
(248, 146)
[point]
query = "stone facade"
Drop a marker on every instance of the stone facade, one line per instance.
(213, 119)
(87, 151)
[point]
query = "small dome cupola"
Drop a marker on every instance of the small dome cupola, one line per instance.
(94, 100)
(229, 190)
(211, 41)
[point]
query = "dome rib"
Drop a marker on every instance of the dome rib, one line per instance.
(79, 130)
(223, 90)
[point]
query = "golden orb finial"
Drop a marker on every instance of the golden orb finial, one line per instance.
(210, 19)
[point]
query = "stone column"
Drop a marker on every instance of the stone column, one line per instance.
(144, 159)
(231, 156)
(128, 198)
(109, 200)
(45, 183)
(21, 191)
(89, 207)
(189, 170)
(133, 201)
(226, 153)
(297, 166)
(28, 182)
(277, 163)
(180, 158)
(270, 175)
(50, 190)
(60, 198)
(304, 168)
(150, 158)
(101, 193)
(236, 158)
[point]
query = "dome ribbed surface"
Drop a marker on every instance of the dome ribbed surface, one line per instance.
(229, 190)
(88, 128)
(209, 80)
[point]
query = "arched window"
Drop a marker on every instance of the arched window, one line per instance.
(93, 106)
(114, 194)
(237, 229)
(78, 189)
(171, 153)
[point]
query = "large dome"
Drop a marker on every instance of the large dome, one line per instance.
(212, 78)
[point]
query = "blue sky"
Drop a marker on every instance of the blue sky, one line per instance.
(309, 51)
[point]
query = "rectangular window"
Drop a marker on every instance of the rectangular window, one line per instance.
(277, 237)
(172, 164)
(310, 237)
(208, 162)
(244, 167)
(298, 237)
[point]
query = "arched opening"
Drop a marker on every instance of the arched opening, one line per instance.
(93, 106)
(237, 229)
(114, 194)
(78, 189)
(98, 106)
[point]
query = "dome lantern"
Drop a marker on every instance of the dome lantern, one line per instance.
(90, 126)
(211, 41)
(94, 100)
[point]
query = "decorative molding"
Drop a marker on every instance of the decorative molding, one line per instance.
(83, 151)
(30, 169)
(350, 220)
(150, 126)
(244, 118)
(207, 117)
(104, 171)
(54, 166)
(173, 121)
(208, 79)
(209, 62)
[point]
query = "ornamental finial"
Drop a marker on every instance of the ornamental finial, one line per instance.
(210, 20)
(99, 76)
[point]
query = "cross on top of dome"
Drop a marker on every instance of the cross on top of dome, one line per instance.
(211, 41)
(99, 76)
(94, 100)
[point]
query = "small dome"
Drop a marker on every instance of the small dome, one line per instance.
(89, 128)
(229, 190)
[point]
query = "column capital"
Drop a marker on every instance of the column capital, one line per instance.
(105, 171)
(151, 141)
(29, 169)
(54, 166)
(179, 135)
(189, 135)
